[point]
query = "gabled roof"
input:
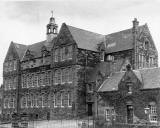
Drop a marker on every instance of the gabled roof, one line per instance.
(20, 48)
(150, 78)
(86, 39)
(36, 48)
(120, 41)
(111, 83)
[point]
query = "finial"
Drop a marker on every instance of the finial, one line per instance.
(52, 13)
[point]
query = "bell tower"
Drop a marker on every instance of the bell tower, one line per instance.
(51, 29)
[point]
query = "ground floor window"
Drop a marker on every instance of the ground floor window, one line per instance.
(109, 113)
(153, 112)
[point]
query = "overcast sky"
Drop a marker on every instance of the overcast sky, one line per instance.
(25, 22)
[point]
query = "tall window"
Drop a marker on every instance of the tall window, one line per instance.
(5, 84)
(23, 102)
(15, 65)
(34, 100)
(57, 77)
(43, 100)
(69, 99)
(48, 78)
(29, 100)
(35, 80)
(27, 81)
(63, 54)
(11, 104)
(55, 99)
(40, 100)
(9, 83)
(14, 82)
(40, 79)
(43, 79)
(70, 75)
(62, 99)
(56, 55)
(5, 102)
(153, 112)
(63, 76)
(32, 80)
(70, 50)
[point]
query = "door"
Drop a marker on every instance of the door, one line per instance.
(129, 114)
(89, 109)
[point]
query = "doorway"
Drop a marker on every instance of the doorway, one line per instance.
(90, 109)
(129, 114)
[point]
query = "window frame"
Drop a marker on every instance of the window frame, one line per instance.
(153, 113)
(69, 99)
(109, 112)
(56, 55)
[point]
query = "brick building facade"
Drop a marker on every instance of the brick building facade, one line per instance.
(57, 76)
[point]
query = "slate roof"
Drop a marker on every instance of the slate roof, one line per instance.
(20, 48)
(111, 83)
(34, 48)
(86, 39)
(119, 41)
(150, 78)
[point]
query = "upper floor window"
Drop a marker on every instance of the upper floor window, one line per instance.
(10, 83)
(10, 65)
(5, 102)
(69, 52)
(15, 65)
(64, 53)
(146, 45)
(56, 55)
(62, 76)
(57, 77)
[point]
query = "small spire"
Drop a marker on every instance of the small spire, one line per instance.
(52, 13)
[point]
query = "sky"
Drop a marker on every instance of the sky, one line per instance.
(25, 21)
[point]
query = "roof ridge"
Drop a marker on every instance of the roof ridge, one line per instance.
(85, 30)
(37, 43)
(123, 30)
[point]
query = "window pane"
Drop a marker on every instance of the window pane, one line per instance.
(69, 52)
(56, 55)
(69, 99)
(70, 74)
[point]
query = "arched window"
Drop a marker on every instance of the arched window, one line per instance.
(146, 44)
